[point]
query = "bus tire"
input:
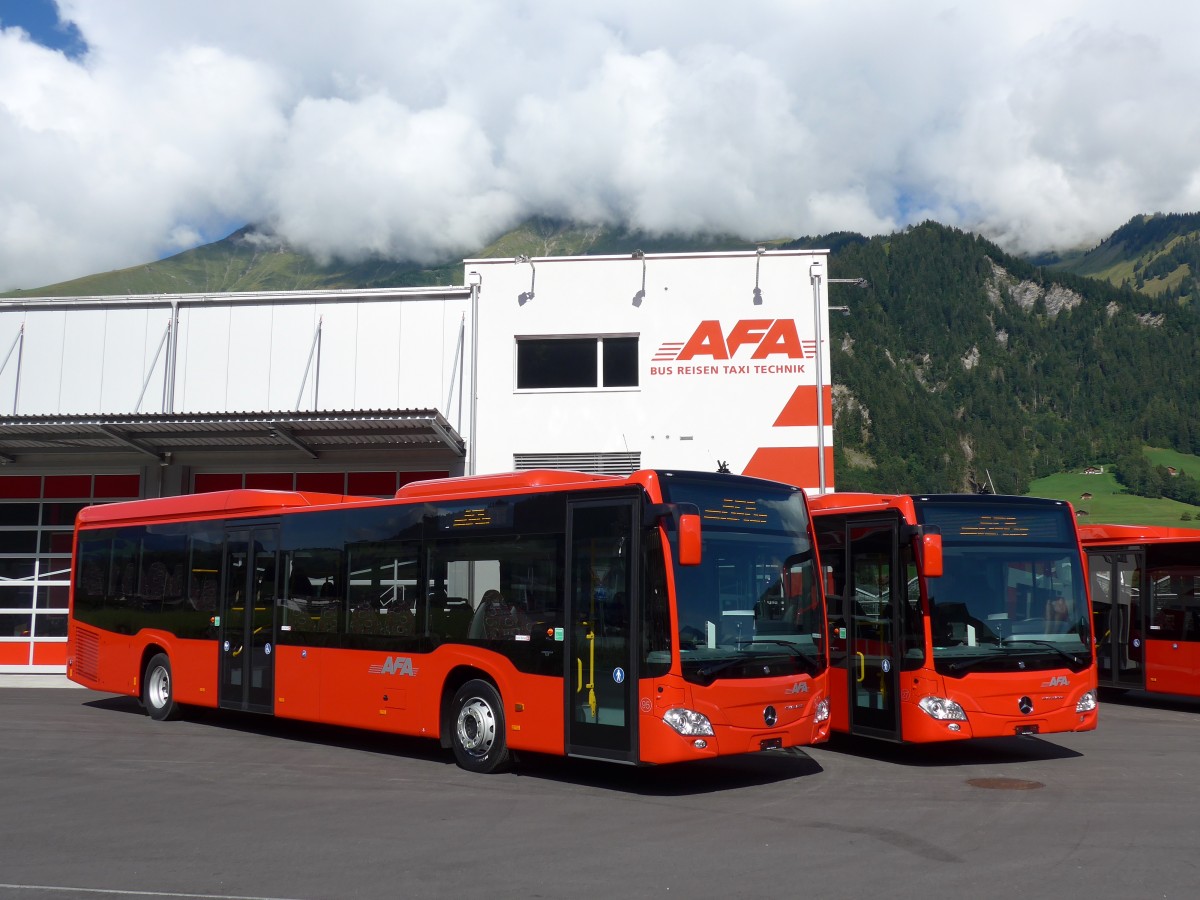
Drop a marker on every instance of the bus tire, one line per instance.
(158, 694)
(478, 738)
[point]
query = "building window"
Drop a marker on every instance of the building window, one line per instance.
(37, 520)
(575, 362)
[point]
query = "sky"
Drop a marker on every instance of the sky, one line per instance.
(134, 129)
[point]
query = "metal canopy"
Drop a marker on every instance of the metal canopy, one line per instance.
(163, 436)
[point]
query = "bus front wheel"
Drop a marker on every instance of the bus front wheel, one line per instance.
(157, 691)
(479, 735)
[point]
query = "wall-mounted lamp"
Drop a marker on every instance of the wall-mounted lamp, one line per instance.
(528, 295)
(640, 295)
(757, 265)
(857, 282)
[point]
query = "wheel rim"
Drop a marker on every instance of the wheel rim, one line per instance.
(158, 690)
(476, 727)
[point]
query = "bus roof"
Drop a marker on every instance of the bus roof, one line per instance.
(248, 502)
(906, 504)
(1096, 534)
(504, 482)
(213, 502)
(861, 502)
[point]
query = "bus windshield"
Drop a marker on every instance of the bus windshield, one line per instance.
(1012, 594)
(752, 608)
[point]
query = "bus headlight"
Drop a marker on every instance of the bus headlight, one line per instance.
(687, 721)
(942, 709)
(1087, 702)
(821, 710)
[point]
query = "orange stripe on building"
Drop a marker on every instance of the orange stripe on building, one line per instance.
(791, 465)
(801, 409)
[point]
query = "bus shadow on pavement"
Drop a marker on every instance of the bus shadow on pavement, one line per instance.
(116, 704)
(992, 751)
(726, 773)
(1135, 699)
(679, 779)
(343, 737)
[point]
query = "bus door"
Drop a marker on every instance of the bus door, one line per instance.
(601, 618)
(877, 595)
(1115, 581)
(246, 635)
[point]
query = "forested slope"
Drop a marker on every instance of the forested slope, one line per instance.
(960, 361)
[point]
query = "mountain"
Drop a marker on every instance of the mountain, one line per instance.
(250, 261)
(1158, 255)
(963, 366)
(958, 366)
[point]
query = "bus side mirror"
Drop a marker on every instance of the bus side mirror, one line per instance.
(689, 539)
(931, 555)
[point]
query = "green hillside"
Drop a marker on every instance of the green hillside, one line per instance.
(1181, 462)
(1100, 499)
(1158, 255)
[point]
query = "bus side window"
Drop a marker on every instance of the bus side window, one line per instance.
(833, 559)
(656, 614)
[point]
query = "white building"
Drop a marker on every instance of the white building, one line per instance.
(602, 364)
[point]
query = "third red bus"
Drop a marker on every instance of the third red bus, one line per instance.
(1144, 581)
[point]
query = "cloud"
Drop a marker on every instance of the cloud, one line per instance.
(409, 129)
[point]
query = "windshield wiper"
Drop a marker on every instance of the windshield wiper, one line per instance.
(1005, 654)
(810, 664)
(707, 671)
(973, 661)
(742, 645)
(1049, 645)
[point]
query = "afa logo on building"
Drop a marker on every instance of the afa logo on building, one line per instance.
(743, 350)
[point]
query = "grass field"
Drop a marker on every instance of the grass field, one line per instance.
(1183, 462)
(1099, 499)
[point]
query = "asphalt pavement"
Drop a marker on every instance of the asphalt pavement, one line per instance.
(97, 800)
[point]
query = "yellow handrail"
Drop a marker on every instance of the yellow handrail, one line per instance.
(593, 703)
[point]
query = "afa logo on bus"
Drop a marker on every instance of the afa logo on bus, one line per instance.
(394, 665)
(767, 337)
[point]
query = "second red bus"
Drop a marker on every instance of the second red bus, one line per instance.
(955, 616)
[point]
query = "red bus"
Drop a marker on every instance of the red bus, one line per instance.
(955, 616)
(1144, 581)
(655, 618)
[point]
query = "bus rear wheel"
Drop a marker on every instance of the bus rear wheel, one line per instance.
(157, 690)
(479, 735)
